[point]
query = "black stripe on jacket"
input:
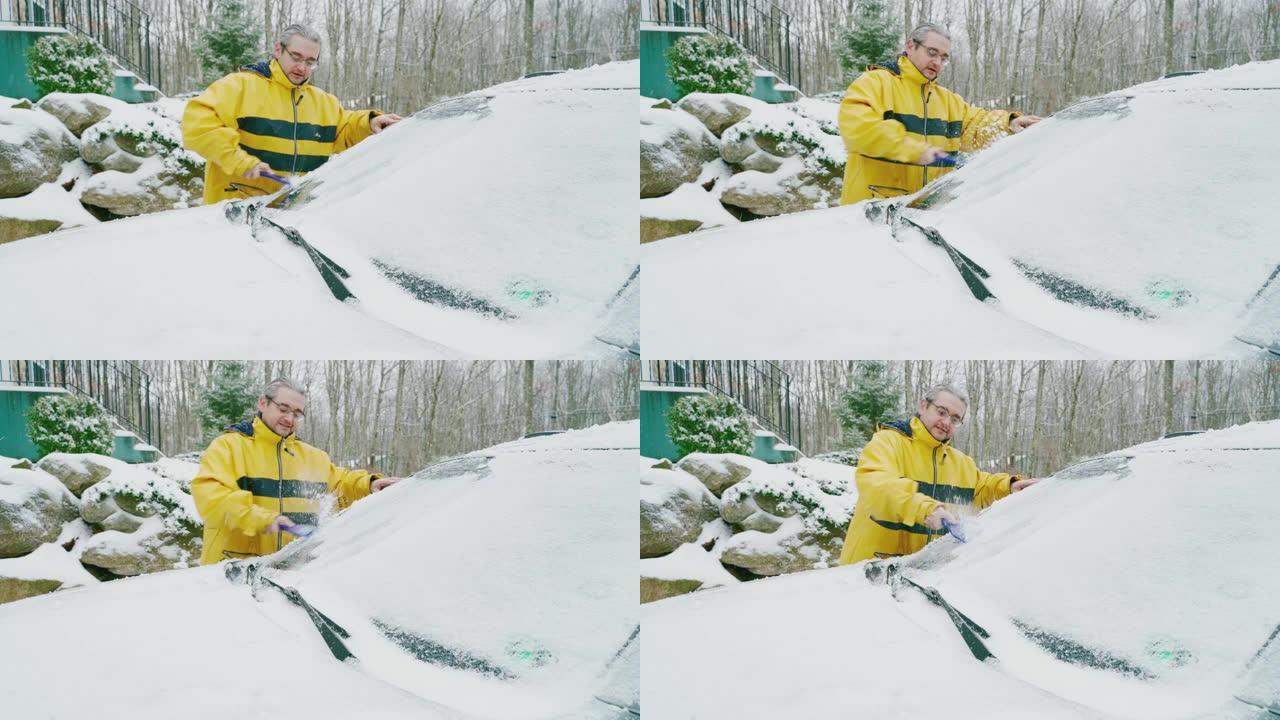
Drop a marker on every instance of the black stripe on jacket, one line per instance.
(283, 129)
(936, 126)
(272, 488)
(284, 161)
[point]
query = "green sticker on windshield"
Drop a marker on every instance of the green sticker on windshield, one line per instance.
(1168, 293)
(1168, 653)
(527, 293)
(528, 652)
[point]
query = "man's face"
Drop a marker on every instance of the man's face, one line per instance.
(942, 416)
(930, 55)
(283, 413)
(298, 58)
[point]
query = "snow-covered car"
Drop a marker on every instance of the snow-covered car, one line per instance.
(490, 585)
(1139, 584)
(1132, 224)
(485, 225)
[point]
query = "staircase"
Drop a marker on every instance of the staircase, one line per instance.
(760, 27)
(762, 388)
(121, 27)
(121, 388)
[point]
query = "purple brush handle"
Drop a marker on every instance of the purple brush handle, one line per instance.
(948, 161)
(278, 178)
(300, 529)
(955, 529)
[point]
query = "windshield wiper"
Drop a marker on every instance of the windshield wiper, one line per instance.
(972, 632)
(972, 272)
(332, 632)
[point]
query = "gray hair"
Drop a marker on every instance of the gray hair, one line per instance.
(273, 387)
(931, 395)
(298, 29)
(919, 32)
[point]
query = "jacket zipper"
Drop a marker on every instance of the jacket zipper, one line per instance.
(924, 100)
(280, 491)
(935, 482)
(292, 94)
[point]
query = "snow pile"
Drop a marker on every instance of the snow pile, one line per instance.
(150, 494)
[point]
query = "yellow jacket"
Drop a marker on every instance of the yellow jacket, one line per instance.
(903, 475)
(259, 115)
(891, 114)
(249, 475)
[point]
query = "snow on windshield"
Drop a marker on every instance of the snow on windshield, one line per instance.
(1147, 197)
(510, 565)
(508, 194)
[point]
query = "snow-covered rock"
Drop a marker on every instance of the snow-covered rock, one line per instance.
(792, 187)
(49, 207)
(33, 508)
(79, 471)
(154, 187)
(673, 147)
(692, 566)
(719, 111)
(692, 206)
(79, 110)
(793, 547)
(673, 508)
(153, 547)
(718, 472)
(33, 147)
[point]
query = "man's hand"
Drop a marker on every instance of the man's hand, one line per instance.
(256, 171)
(280, 522)
(930, 154)
(383, 483)
(1023, 122)
(382, 122)
(1023, 484)
(934, 521)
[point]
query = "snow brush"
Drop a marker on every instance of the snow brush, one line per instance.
(282, 179)
(955, 528)
(300, 529)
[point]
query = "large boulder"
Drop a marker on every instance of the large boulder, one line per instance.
(792, 188)
(78, 472)
(33, 508)
(16, 228)
(673, 508)
(21, 588)
(652, 589)
(651, 228)
(154, 547)
(33, 147)
(78, 111)
(793, 547)
(718, 472)
(673, 147)
(155, 186)
(719, 111)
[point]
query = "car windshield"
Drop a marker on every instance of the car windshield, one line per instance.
(1131, 570)
(1140, 202)
(495, 574)
(417, 207)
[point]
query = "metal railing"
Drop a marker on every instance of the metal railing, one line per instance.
(760, 27)
(122, 388)
(122, 28)
(761, 387)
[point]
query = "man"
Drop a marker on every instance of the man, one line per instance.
(909, 474)
(269, 118)
(258, 479)
(898, 123)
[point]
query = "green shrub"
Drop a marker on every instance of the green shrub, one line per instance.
(709, 424)
(69, 63)
(709, 63)
(69, 423)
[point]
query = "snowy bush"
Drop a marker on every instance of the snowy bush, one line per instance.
(69, 424)
(69, 63)
(153, 136)
(824, 502)
(151, 493)
(709, 424)
(709, 63)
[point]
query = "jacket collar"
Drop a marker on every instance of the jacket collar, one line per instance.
(258, 430)
(917, 432)
(271, 70)
(906, 69)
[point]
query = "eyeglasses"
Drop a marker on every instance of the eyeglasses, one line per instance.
(288, 410)
(935, 53)
(311, 63)
(955, 419)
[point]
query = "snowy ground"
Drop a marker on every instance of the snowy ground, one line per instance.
(455, 195)
(1127, 557)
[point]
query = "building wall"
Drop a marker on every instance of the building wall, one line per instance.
(654, 404)
(14, 42)
(14, 403)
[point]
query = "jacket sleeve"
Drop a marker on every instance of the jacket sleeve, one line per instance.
(983, 127)
(219, 500)
(349, 485)
(353, 126)
(209, 127)
(864, 129)
(990, 487)
(888, 495)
